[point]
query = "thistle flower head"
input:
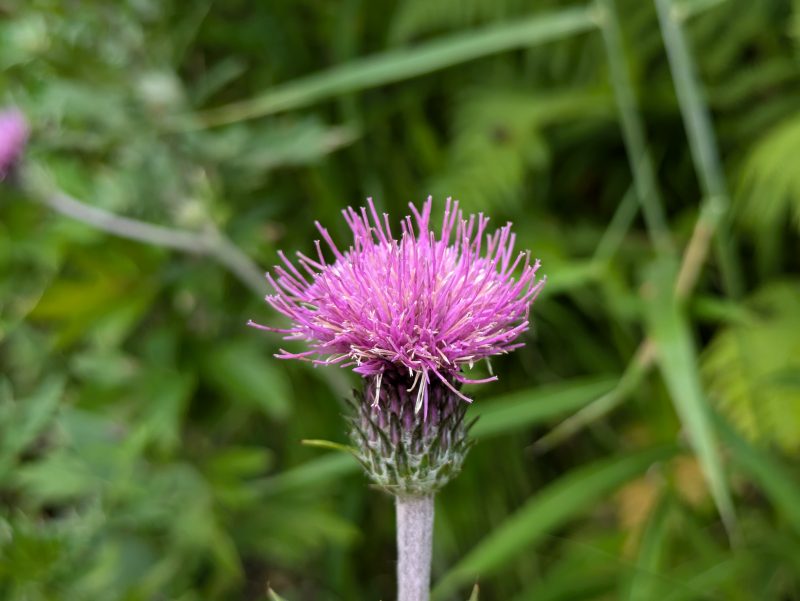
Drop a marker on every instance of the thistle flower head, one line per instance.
(426, 303)
(13, 135)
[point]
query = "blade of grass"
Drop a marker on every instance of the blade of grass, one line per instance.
(684, 9)
(694, 582)
(273, 596)
(312, 474)
(651, 554)
(544, 512)
(627, 384)
(700, 131)
(697, 120)
(774, 478)
(693, 258)
(633, 132)
(573, 274)
(329, 445)
(618, 227)
(564, 586)
(523, 409)
(401, 64)
(677, 360)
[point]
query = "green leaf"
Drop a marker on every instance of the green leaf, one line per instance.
(519, 410)
(273, 596)
(330, 445)
(22, 421)
(571, 275)
(245, 373)
(312, 474)
(102, 296)
(544, 512)
(236, 463)
(58, 478)
(258, 150)
(165, 396)
(677, 360)
(475, 593)
(399, 65)
(231, 471)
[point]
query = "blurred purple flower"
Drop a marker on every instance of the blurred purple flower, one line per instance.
(13, 135)
(423, 304)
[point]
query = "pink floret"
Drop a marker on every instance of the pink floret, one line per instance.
(427, 303)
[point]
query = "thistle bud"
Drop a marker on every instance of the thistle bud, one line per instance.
(407, 452)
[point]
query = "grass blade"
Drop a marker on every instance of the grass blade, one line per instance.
(312, 474)
(775, 479)
(677, 360)
(544, 512)
(273, 596)
(627, 384)
(401, 64)
(618, 227)
(697, 120)
(685, 9)
(565, 587)
(651, 554)
(523, 409)
(699, 129)
(698, 579)
(633, 132)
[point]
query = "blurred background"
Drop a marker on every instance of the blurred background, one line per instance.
(642, 446)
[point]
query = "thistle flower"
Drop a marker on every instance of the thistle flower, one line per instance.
(427, 304)
(409, 315)
(13, 135)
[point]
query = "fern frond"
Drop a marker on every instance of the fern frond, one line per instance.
(500, 139)
(752, 370)
(770, 185)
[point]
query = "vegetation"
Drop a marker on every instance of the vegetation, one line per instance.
(642, 446)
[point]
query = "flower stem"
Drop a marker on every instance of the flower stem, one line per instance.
(414, 545)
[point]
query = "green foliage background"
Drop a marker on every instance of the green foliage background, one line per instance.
(150, 444)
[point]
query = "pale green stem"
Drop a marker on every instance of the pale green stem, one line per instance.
(414, 547)
(210, 243)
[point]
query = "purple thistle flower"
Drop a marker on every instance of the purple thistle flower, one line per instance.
(426, 304)
(13, 136)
